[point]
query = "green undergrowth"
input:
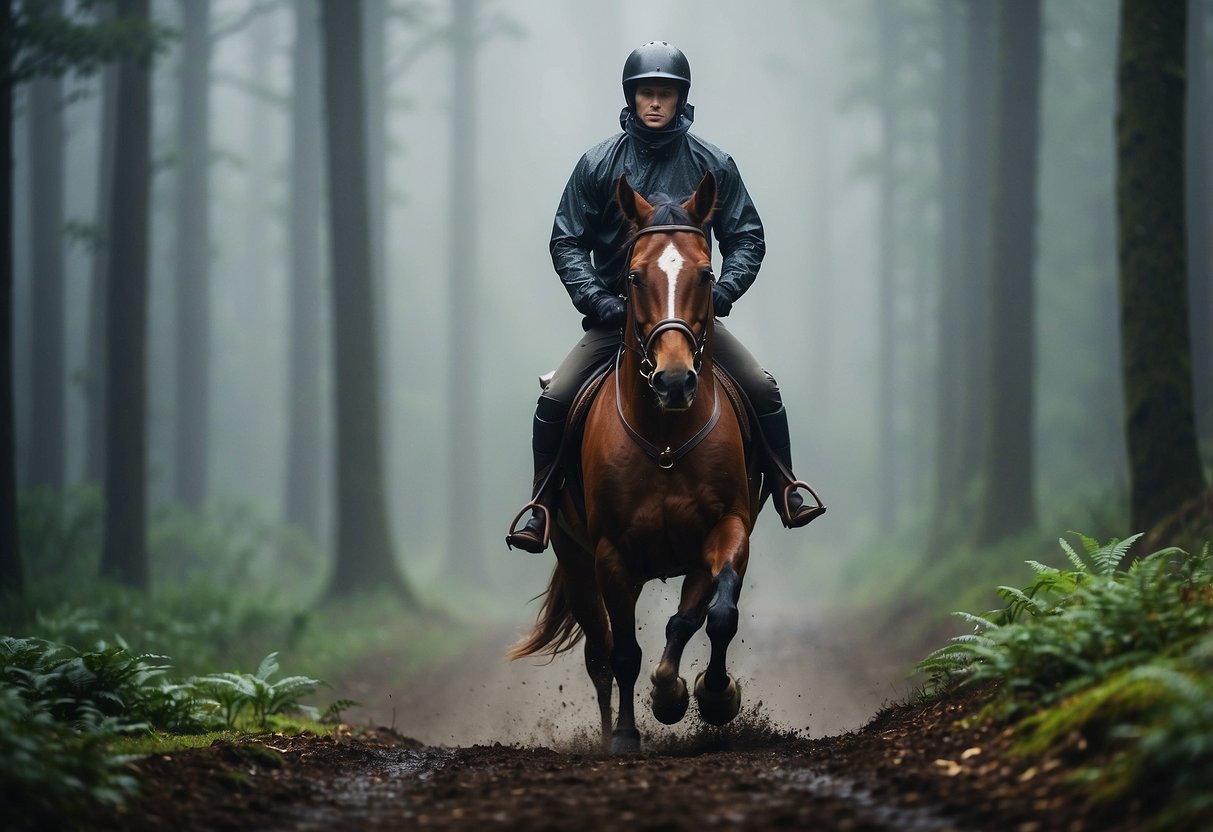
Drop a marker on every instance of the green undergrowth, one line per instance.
(71, 718)
(92, 673)
(1108, 661)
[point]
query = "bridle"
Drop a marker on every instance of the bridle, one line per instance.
(645, 342)
(664, 457)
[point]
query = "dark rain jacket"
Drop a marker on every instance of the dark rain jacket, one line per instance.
(589, 232)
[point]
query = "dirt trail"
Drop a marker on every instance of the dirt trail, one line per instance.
(484, 744)
(803, 674)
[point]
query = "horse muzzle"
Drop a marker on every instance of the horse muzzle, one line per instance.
(675, 388)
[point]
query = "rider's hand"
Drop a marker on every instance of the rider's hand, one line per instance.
(721, 305)
(611, 311)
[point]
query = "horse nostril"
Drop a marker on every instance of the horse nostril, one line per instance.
(690, 383)
(660, 385)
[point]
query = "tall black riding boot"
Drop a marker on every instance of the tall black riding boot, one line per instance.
(546, 439)
(793, 510)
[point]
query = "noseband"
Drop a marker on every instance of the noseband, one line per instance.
(647, 367)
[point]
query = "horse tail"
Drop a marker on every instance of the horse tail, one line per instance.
(555, 628)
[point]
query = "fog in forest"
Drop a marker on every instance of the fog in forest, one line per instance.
(793, 90)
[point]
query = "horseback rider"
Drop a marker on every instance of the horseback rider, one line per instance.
(588, 247)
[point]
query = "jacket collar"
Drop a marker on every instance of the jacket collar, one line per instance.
(655, 140)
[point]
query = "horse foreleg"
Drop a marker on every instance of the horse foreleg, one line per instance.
(716, 692)
(619, 596)
(669, 697)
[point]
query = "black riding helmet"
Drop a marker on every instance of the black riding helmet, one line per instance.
(656, 61)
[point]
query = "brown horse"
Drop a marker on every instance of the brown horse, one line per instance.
(665, 484)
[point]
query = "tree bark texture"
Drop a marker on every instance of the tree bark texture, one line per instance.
(365, 559)
(12, 573)
(124, 550)
(48, 380)
(1164, 464)
(1008, 501)
(305, 439)
(193, 258)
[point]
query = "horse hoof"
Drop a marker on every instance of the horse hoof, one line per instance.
(669, 700)
(717, 707)
(625, 741)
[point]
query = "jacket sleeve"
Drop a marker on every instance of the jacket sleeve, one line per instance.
(573, 240)
(739, 230)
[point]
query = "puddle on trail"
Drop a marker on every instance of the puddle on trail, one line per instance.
(867, 807)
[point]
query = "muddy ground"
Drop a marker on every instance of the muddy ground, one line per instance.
(477, 743)
(915, 767)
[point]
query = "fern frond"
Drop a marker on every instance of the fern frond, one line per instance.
(1075, 558)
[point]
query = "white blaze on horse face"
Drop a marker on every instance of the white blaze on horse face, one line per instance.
(670, 262)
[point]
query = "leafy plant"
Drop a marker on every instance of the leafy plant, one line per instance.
(233, 692)
(1119, 656)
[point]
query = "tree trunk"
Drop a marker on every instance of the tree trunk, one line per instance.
(981, 46)
(302, 499)
(465, 558)
(886, 496)
(1199, 173)
(47, 379)
(952, 277)
(98, 341)
(365, 559)
(193, 257)
(964, 158)
(1164, 463)
(124, 551)
(1008, 501)
(12, 572)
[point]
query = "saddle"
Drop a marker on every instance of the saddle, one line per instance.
(569, 461)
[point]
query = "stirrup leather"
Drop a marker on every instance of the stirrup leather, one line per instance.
(814, 511)
(547, 523)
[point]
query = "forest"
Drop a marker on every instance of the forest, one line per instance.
(277, 289)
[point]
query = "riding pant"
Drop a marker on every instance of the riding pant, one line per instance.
(599, 345)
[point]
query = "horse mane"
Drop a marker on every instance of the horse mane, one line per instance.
(667, 211)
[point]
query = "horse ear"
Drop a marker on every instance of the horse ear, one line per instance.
(703, 201)
(634, 207)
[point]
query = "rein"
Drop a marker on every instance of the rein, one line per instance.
(665, 458)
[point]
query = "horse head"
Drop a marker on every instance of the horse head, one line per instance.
(669, 288)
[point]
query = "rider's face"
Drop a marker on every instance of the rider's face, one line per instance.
(656, 104)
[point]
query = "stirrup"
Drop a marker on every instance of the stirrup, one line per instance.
(813, 511)
(547, 524)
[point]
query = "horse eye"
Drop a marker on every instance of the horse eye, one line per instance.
(706, 275)
(634, 279)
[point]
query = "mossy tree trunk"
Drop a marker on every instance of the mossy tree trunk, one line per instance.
(1164, 464)
(1008, 498)
(365, 559)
